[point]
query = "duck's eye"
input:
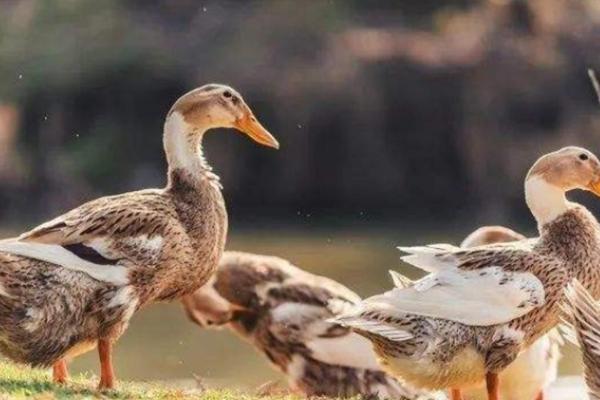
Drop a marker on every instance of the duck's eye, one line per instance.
(583, 157)
(227, 94)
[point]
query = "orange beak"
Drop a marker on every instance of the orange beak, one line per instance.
(251, 127)
(594, 187)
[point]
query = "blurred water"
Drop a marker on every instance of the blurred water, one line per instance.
(162, 345)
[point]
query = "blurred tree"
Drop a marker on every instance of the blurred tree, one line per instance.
(402, 109)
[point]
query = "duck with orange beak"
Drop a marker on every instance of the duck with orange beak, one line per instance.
(480, 307)
(74, 282)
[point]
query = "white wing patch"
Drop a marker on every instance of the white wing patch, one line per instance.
(429, 258)
(153, 245)
(125, 297)
(400, 281)
(351, 350)
(483, 297)
(58, 255)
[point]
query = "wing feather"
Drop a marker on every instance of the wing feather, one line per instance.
(84, 238)
(440, 257)
(328, 342)
(482, 297)
(58, 255)
(584, 311)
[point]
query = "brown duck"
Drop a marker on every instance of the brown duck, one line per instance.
(481, 307)
(75, 281)
(282, 311)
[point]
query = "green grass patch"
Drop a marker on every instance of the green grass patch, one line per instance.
(18, 382)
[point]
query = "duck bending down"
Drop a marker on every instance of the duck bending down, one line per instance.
(584, 321)
(282, 311)
(537, 366)
(481, 307)
(76, 280)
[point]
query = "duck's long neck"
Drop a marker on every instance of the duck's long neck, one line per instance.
(545, 201)
(183, 146)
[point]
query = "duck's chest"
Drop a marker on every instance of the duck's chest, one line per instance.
(191, 247)
(205, 224)
(201, 246)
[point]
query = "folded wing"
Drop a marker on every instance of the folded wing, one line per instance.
(482, 297)
(99, 238)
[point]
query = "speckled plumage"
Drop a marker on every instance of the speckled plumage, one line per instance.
(283, 312)
(68, 307)
(496, 346)
(537, 366)
(584, 313)
(78, 279)
(456, 341)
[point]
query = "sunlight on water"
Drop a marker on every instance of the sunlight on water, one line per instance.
(162, 344)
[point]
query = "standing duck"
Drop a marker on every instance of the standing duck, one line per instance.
(584, 312)
(75, 281)
(283, 311)
(480, 307)
(534, 369)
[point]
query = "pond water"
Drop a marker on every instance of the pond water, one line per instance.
(161, 344)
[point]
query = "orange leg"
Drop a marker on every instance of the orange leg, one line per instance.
(540, 396)
(493, 387)
(456, 394)
(60, 373)
(107, 375)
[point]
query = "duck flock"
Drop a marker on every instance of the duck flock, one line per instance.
(485, 321)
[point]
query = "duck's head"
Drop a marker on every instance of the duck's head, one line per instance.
(207, 308)
(556, 173)
(567, 169)
(217, 106)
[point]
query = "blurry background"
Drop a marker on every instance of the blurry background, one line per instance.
(400, 122)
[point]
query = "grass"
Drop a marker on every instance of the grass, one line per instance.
(18, 382)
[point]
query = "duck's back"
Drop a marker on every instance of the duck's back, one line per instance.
(286, 317)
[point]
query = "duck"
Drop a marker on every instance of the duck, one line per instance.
(536, 367)
(74, 282)
(582, 328)
(282, 311)
(480, 307)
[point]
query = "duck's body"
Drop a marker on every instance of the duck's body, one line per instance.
(584, 313)
(145, 252)
(283, 311)
(76, 280)
(536, 367)
(481, 307)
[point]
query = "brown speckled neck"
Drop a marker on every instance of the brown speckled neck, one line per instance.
(573, 234)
